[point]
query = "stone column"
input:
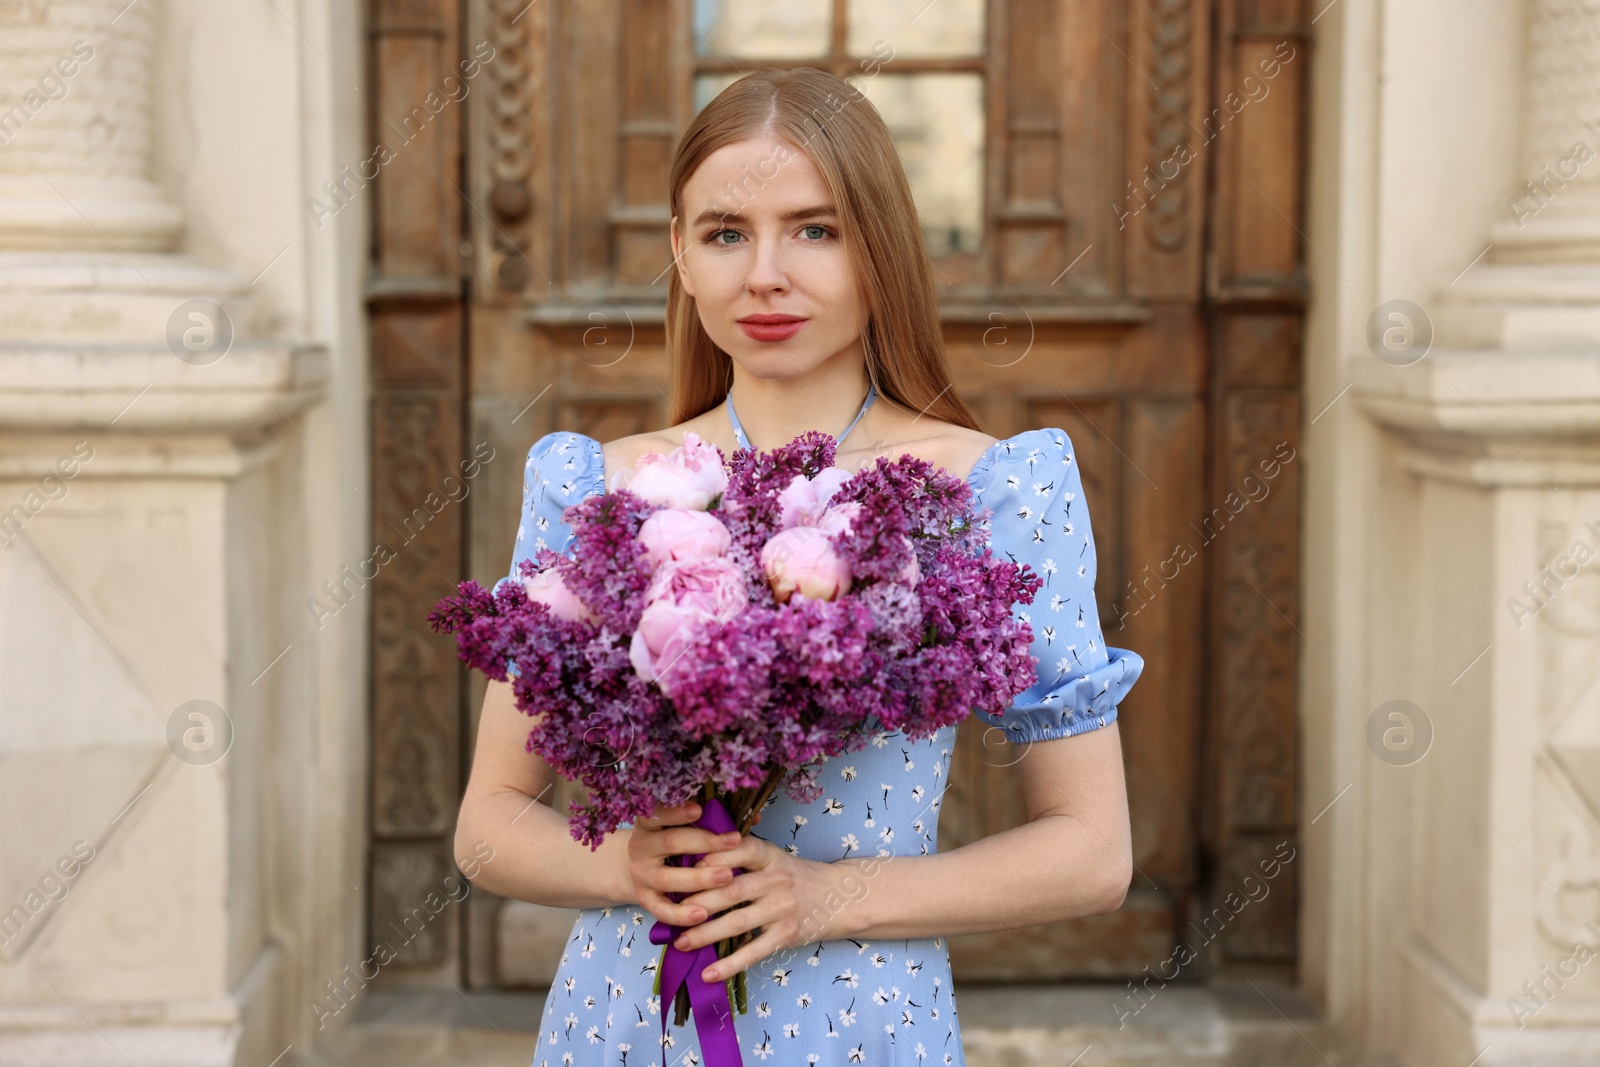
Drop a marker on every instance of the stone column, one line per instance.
(151, 518)
(75, 86)
(79, 213)
(1555, 210)
(1489, 611)
(1536, 286)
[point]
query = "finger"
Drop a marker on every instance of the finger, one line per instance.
(666, 879)
(699, 839)
(675, 914)
(739, 888)
(688, 811)
(669, 815)
(717, 927)
(765, 944)
(688, 841)
(752, 854)
(672, 840)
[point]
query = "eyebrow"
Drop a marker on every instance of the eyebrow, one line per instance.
(819, 211)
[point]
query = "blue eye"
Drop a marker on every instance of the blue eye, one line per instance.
(714, 237)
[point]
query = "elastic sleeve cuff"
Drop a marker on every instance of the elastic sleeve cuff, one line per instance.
(1079, 704)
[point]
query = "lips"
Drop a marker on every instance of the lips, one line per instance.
(771, 327)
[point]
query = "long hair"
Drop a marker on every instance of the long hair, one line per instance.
(845, 137)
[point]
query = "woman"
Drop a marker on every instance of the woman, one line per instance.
(802, 299)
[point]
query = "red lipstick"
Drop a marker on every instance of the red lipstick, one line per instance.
(771, 327)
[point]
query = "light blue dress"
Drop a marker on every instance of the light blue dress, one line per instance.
(844, 1001)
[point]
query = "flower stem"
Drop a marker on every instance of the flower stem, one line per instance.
(680, 1006)
(773, 778)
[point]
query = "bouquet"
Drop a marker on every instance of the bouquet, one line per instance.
(722, 627)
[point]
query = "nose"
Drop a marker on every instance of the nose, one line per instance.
(767, 272)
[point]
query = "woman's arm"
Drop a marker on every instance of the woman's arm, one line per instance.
(1072, 858)
(535, 856)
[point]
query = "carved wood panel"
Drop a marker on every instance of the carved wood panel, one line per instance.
(415, 705)
(1257, 290)
(413, 920)
(1163, 188)
(1032, 244)
(514, 81)
(416, 67)
(652, 75)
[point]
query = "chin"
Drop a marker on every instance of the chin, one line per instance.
(772, 363)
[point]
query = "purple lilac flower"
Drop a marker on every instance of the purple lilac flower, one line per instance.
(772, 687)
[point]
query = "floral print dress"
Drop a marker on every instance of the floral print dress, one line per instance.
(845, 1001)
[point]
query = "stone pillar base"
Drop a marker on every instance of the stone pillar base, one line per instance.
(1522, 307)
(75, 297)
(89, 214)
(1492, 493)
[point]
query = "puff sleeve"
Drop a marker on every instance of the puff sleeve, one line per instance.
(562, 469)
(1032, 484)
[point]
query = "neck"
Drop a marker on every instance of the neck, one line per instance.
(774, 411)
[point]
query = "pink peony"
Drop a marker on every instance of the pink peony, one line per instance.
(803, 500)
(683, 595)
(837, 519)
(680, 533)
(690, 476)
(546, 587)
(802, 560)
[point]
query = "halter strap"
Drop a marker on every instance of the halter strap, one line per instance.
(744, 442)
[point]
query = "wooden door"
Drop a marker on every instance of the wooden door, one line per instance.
(1110, 194)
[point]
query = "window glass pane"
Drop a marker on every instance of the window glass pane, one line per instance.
(792, 29)
(916, 27)
(937, 121)
(707, 86)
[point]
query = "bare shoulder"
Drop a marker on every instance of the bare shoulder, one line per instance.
(967, 446)
(625, 451)
(944, 444)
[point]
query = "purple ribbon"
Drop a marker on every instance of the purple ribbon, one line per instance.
(708, 1001)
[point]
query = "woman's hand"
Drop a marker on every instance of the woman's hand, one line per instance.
(668, 831)
(785, 894)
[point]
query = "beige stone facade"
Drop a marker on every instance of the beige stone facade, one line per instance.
(180, 376)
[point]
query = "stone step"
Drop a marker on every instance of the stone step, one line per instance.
(1240, 1022)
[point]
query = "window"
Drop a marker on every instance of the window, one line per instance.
(920, 63)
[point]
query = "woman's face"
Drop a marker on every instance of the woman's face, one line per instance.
(760, 237)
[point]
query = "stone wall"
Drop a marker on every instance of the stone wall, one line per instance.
(182, 451)
(1451, 661)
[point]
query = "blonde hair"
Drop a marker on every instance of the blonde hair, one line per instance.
(845, 137)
